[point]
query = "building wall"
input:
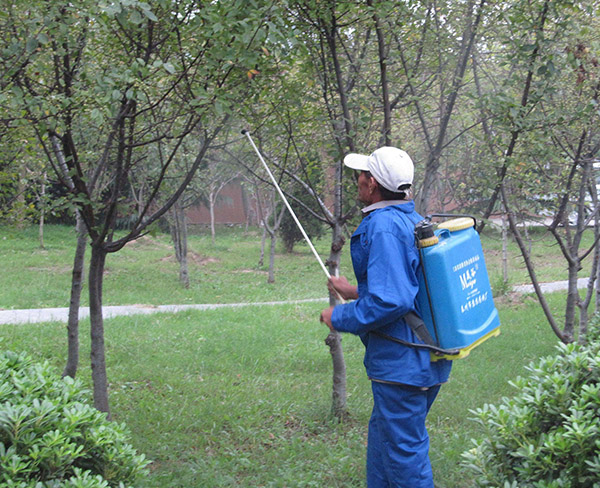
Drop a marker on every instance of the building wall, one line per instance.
(233, 206)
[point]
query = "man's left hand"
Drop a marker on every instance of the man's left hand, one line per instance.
(326, 317)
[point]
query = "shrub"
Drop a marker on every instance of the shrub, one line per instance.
(289, 231)
(548, 435)
(49, 436)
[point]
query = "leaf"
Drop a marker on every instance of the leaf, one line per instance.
(135, 17)
(32, 44)
(43, 38)
(148, 13)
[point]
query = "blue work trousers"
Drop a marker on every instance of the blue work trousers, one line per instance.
(398, 446)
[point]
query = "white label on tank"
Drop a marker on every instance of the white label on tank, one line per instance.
(466, 263)
(467, 271)
(467, 278)
(474, 302)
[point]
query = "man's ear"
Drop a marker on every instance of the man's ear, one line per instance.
(373, 185)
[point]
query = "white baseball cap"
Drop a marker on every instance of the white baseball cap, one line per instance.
(391, 167)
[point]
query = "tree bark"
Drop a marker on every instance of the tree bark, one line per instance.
(385, 93)
(271, 278)
(433, 161)
(339, 404)
(585, 303)
(261, 260)
(76, 286)
(211, 202)
(97, 356)
(42, 211)
(529, 264)
(504, 251)
(334, 339)
(178, 229)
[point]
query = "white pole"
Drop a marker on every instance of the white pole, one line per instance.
(326, 271)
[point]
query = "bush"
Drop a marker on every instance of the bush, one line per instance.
(289, 231)
(49, 436)
(548, 435)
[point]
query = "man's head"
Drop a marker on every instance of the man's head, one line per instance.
(390, 167)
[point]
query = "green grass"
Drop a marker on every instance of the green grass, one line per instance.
(146, 271)
(549, 261)
(242, 397)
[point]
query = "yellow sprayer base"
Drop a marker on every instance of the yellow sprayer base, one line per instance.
(465, 351)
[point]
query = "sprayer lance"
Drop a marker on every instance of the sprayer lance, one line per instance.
(312, 248)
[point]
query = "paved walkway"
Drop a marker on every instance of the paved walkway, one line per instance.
(550, 287)
(61, 314)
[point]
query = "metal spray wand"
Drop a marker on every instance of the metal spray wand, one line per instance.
(287, 204)
(312, 248)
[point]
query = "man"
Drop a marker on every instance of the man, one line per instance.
(404, 380)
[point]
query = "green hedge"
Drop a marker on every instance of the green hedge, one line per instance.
(548, 434)
(49, 436)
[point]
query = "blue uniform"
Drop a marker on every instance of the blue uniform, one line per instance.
(404, 380)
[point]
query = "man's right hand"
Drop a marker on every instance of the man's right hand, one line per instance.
(341, 286)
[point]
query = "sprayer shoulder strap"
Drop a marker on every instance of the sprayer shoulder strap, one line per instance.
(418, 327)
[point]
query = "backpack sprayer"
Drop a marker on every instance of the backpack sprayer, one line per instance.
(456, 307)
(455, 297)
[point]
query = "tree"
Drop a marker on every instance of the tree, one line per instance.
(290, 234)
(111, 82)
(543, 125)
(344, 94)
(271, 213)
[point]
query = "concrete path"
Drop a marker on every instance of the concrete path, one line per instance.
(62, 314)
(550, 287)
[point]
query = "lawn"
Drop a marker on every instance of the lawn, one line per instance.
(241, 397)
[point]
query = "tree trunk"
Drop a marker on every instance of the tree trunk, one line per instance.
(211, 199)
(596, 270)
(433, 161)
(339, 405)
(42, 211)
(76, 285)
(504, 251)
(334, 339)
(572, 302)
(385, 95)
(184, 275)
(98, 360)
(261, 260)
(585, 303)
(271, 278)
(529, 264)
(178, 229)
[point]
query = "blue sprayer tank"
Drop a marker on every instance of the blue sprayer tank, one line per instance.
(455, 297)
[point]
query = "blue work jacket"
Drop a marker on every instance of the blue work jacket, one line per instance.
(386, 265)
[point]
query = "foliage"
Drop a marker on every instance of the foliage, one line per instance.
(240, 396)
(548, 434)
(111, 90)
(290, 233)
(50, 437)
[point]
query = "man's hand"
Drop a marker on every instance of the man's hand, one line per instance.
(341, 286)
(326, 317)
